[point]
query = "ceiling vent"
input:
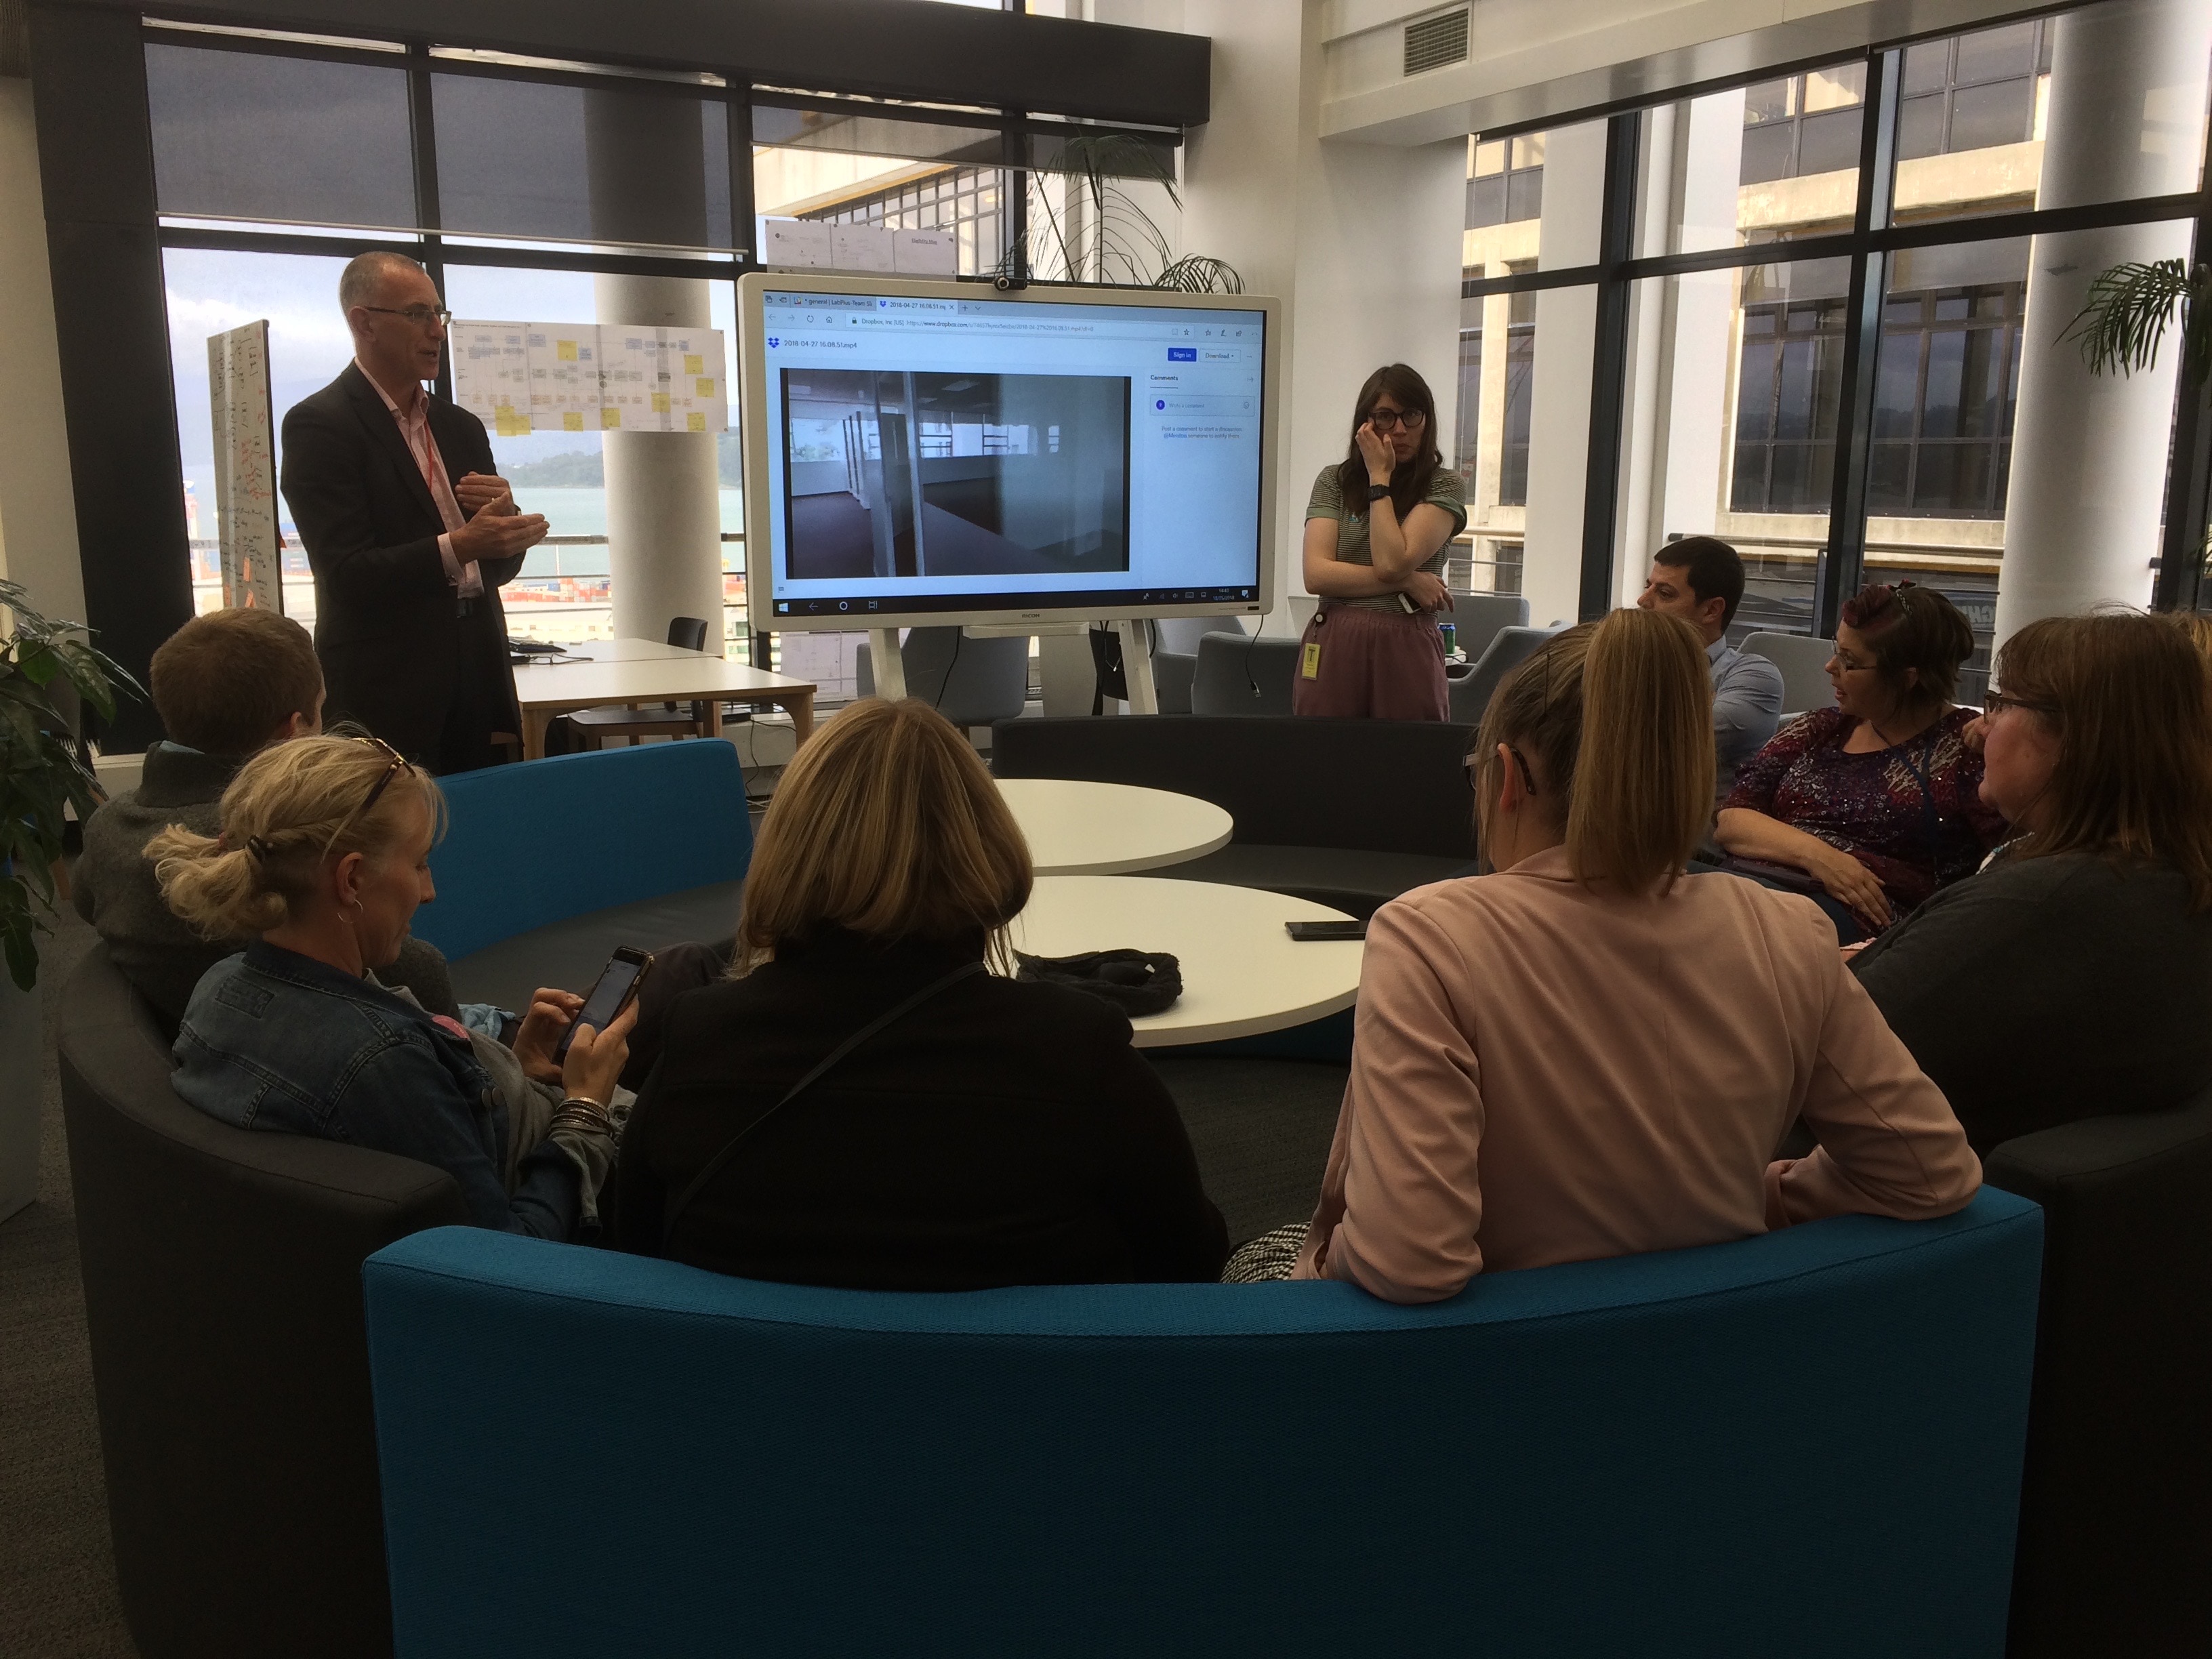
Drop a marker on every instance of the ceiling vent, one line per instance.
(1435, 41)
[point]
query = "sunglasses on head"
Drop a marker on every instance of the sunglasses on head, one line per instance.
(399, 764)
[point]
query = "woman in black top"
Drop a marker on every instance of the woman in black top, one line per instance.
(997, 1133)
(2072, 977)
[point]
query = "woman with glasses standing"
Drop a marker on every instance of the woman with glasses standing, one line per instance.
(2072, 977)
(1873, 805)
(1377, 527)
(324, 855)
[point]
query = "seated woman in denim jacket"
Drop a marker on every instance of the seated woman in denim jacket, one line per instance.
(323, 857)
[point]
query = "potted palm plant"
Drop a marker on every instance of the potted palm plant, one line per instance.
(46, 667)
(1101, 233)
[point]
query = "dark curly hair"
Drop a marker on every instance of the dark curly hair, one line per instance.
(1920, 640)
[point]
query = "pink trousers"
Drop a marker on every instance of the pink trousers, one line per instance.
(1370, 664)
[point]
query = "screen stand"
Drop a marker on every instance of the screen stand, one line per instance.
(890, 667)
(1137, 667)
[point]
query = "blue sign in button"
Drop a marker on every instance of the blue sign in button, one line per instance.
(1183, 354)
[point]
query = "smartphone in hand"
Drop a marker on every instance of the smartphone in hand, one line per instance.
(618, 982)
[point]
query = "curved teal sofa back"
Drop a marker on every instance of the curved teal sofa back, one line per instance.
(546, 839)
(1804, 1443)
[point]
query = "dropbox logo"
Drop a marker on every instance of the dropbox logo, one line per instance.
(774, 342)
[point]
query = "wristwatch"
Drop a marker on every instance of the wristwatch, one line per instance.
(1376, 492)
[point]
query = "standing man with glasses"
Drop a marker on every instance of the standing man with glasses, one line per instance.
(410, 531)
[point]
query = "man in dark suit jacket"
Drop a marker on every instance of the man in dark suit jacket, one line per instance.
(410, 531)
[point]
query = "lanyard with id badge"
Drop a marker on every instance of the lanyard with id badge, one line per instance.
(1310, 658)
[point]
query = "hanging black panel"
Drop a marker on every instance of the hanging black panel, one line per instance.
(246, 135)
(514, 159)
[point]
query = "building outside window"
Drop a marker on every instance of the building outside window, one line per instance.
(1755, 354)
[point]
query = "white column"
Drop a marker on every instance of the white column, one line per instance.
(1566, 343)
(1361, 241)
(647, 185)
(1700, 324)
(38, 512)
(664, 493)
(2089, 452)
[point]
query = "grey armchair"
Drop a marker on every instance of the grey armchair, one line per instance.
(970, 682)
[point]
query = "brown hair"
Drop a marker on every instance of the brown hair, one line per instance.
(2195, 626)
(1911, 627)
(224, 682)
(885, 824)
(2130, 703)
(291, 807)
(1409, 479)
(1617, 718)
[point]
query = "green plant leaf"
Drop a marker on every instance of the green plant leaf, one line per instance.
(1199, 273)
(37, 663)
(19, 940)
(2130, 308)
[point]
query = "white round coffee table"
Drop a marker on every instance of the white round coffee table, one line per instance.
(1242, 974)
(1076, 827)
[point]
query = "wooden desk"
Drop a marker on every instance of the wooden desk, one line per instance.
(629, 675)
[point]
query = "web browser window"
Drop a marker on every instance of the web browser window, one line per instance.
(959, 455)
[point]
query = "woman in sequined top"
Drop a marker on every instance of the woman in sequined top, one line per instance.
(1876, 802)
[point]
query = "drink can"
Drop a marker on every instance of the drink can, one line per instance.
(1451, 637)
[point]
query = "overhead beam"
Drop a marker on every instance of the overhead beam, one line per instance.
(876, 48)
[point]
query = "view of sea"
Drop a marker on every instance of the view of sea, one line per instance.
(578, 511)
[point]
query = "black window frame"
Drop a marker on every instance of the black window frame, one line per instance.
(1873, 237)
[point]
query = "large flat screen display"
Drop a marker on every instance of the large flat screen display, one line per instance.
(937, 452)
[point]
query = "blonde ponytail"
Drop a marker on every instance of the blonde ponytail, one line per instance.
(291, 808)
(1643, 767)
(1617, 716)
(213, 888)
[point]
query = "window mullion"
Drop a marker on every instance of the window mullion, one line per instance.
(1840, 572)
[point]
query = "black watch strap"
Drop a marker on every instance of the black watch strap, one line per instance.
(1376, 492)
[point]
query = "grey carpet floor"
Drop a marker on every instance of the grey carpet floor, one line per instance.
(58, 1596)
(1261, 1128)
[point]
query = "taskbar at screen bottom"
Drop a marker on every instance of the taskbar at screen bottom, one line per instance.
(1088, 601)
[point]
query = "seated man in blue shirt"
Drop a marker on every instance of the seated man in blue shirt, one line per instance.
(1700, 579)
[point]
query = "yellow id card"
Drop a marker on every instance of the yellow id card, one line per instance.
(1311, 667)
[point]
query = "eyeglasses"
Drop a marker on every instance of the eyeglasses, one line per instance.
(421, 316)
(1995, 703)
(1473, 764)
(1386, 420)
(399, 764)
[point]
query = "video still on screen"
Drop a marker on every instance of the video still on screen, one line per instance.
(899, 472)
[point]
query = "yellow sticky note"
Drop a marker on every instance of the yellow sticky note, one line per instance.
(1311, 668)
(512, 425)
(705, 386)
(698, 422)
(694, 364)
(610, 417)
(660, 403)
(572, 420)
(565, 351)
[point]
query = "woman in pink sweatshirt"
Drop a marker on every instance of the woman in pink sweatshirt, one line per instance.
(1586, 1054)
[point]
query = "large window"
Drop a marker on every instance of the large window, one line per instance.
(522, 184)
(1870, 369)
